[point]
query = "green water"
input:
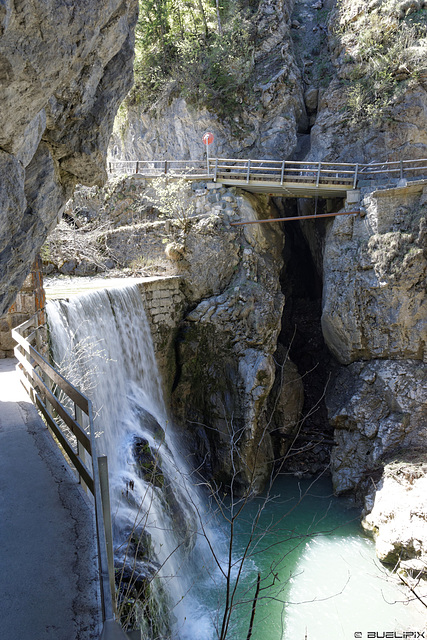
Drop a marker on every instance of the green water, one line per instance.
(320, 578)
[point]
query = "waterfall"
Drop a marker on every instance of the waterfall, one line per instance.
(102, 342)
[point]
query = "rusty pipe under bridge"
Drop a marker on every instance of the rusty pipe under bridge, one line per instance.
(293, 218)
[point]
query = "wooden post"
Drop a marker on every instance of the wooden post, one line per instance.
(81, 451)
(106, 512)
(216, 169)
(137, 167)
(248, 172)
(401, 169)
(166, 167)
(355, 175)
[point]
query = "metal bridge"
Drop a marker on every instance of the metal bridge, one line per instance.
(286, 178)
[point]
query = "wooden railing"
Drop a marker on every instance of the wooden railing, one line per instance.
(67, 412)
(276, 171)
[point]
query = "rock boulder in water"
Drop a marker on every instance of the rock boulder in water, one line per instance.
(148, 463)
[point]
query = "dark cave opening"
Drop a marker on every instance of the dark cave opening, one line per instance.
(301, 333)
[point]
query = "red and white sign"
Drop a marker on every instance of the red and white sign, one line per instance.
(208, 138)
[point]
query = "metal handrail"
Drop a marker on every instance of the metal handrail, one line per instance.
(279, 171)
(41, 381)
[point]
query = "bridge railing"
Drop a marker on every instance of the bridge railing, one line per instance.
(277, 171)
(155, 168)
(316, 173)
(398, 169)
(67, 412)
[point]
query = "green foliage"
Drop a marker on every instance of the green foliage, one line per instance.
(200, 48)
(170, 197)
(45, 252)
(388, 53)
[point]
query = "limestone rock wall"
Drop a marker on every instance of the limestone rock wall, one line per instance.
(378, 409)
(369, 107)
(64, 69)
(265, 126)
(215, 315)
(375, 316)
(375, 323)
(396, 516)
(225, 346)
(309, 62)
(375, 303)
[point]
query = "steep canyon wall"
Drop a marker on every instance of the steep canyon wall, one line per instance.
(223, 335)
(315, 68)
(64, 69)
(375, 323)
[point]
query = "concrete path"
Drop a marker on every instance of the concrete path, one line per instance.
(48, 562)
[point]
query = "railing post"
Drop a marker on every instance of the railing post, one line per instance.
(318, 174)
(81, 451)
(355, 175)
(401, 169)
(282, 175)
(216, 169)
(108, 529)
(137, 167)
(248, 172)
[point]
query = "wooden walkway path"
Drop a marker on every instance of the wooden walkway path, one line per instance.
(279, 177)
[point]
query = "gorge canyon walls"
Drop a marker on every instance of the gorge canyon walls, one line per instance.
(375, 323)
(64, 70)
(309, 78)
(224, 336)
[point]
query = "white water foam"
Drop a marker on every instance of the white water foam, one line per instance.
(104, 338)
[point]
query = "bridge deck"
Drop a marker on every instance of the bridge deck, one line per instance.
(289, 188)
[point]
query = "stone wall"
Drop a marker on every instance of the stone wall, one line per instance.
(164, 305)
(29, 300)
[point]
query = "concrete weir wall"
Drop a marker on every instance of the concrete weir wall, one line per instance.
(164, 304)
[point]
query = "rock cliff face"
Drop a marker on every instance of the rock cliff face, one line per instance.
(342, 82)
(330, 81)
(374, 107)
(374, 315)
(396, 509)
(272, 113)
(375, 323)
(234, 397)
(375, 302)
(64, 69)
(226, 343)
